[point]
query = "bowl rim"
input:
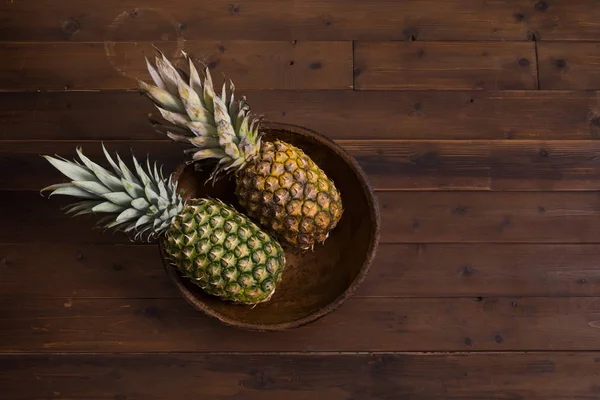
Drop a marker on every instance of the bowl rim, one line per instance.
(373, 204)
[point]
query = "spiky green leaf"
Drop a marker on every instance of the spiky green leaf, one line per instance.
(140, 204)
(133, 189)
(209, 153)
(232, 103)
(73, 192)
(193, 106)
(143, 220)
(155, 75)
(146, 181)
(112, 163)
(107, 207)
(70, 170)
(165, 129)
(128, 214)
(204, 142)
(168, 73)
(162, 190)
(151, 195)
(179, 138)
(174, 118)
(85, 205)
(94, 187)
(209, 91)
(119, 198)
(127, 174)
(195, 82)
(162, 97)
(201, 129)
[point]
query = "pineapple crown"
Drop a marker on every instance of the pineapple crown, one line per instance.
(216, 126)
(143, 201)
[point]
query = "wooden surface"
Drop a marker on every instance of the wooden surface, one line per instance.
(444, 65)
(111, 65)
(569, 65)
(476, 121)
(299, 376)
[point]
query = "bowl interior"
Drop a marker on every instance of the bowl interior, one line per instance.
(314, 282)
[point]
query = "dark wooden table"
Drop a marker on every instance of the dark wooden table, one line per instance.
(476, 122)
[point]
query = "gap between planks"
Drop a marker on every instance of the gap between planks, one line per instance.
(307, 353)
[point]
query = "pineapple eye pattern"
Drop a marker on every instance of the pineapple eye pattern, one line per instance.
(233, 258)
(298, 203)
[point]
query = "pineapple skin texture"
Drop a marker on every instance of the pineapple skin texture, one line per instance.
(224, 252)
(289, 195)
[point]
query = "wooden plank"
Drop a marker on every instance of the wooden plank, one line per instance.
(35, 219)
(407, 217)
(498, 165)
(51, 20)
(75, 115)
(71, 270)
(435, 376)
(567, 65)
(445, 65)
(476, 217)
(399, 270)
(250, 64)
(453, 270)
(390, 165)
(563, 20)
(544, 165)
(423, 164)
(110, 115)
(376, 324)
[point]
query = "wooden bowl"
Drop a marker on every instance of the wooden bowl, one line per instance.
(314, 282)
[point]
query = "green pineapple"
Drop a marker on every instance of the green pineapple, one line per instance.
(216, 247)
(277, 184)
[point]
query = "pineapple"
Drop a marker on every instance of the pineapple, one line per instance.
(212, 244)
(277, 184)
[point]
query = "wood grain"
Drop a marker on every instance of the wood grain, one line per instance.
(111, 115)
(442, 324)
(390, 165)
(399, 270)
(445, 65)
(52, 20)
(434, 376)
(567, 65)
(83, 271)
(423, 165)
(544, 165)
(250, 64)
(454, 270)
(105, 115)
(496, 165)
(113, 20)
(562, 20)
(407, 217)
(36, 219)
(456, 217)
